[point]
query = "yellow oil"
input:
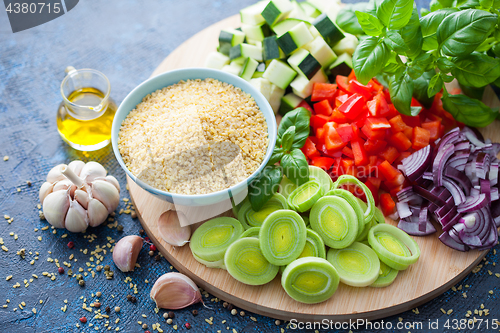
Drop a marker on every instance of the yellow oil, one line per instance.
(86, 134)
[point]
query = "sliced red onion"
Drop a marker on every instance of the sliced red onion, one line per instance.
(458, 160)
(439, 162)
(460, 178)
(493, 173)
(472, 137)
(415, 164)
(443, 210)
(494, 194)
(449, 241)
(426, 194)
(464, 145)
(413, 229)
(482, 165)
(455, 190)
(450, 221)
(473, 203)
(403, 209)
(486, 188)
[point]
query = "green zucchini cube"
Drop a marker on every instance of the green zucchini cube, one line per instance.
(271, 49)
(229, 38)
(251, 14)
(328, 29)
(304, 63)
(276, 10)
(279, 73)
(240, 52)
(321, 51)
(249, 67)
(256, 32)
(289, 102)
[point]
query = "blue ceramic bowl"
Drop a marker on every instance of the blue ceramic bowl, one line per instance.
(166, 79)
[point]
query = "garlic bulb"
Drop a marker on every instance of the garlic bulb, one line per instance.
(170, 229)
(126, 251)
(174, 291)
(78, 195)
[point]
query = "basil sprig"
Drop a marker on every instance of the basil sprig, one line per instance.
(417, 56)
(292, 134)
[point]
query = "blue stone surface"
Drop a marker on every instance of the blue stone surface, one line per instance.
(126, 40)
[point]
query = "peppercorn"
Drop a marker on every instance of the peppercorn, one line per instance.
(195, 312)
(171, 314)
(141, 232)
(152, 247)
(151, 253)
(144, 326)
(81, 283)
(83, 320)
(188, 325)
(108, 309)
(229, 306)
(29, 183)
(97, 305)
(225, 304)
(71, 245)
(242, 313)
(98, 294)
(165, 315)
(79, 277)
(98, 268)
(157, 257)
(119, 227)
(129, 297)
(106, 268)
(117, 309)
(133, 299)
(60, 270)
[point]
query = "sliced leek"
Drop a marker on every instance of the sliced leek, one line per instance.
(282, 237)
(321, 176)
(315, 247)
(251, 232)
(357, 265)
(286, 186)
(386, 277)
(347, 179)
(304, 196)
(310, 280)
(251, 218)
(211, 240)
(393, 246)
(334, 219)
(355, 204)
(210, 264)
(245, 262)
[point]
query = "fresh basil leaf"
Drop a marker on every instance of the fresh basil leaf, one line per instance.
(263, 187)
(446, 3)
(460, 33)
(469, 111)
(496, 49)
(392, 68)
(435, 85)
(485, 45)
(486, 4)
(412, 35)
(287, 139)
(300, 119)
(429, 25)
(445, 65)
(369, 59)
(347, 20)
(420, 86)
(476, 69)
(370, 24)
(435, 5)
(424, 62)
(276, 155)
(424, 12)
(447, 78)
(466, 4)
(415, 72)
(472, 92)
(395, 14)
(401, 91)
(295, 167)
(395, 42)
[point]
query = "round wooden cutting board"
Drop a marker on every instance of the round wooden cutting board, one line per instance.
(438, 269)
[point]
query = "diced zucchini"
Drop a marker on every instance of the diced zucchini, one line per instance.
(304, 63)
(310, 10)
(279, 73)
(259, 71)
(233, 68)
(276, 10)
(255, 43)
(286, 43)
(296, 37)
(271, 49)
(286, 25)
(328, 29)
(263, 85)
(229, 38)
(275, 97)
(321, 51)
(314, 32)
(323, 5)
(297, 12)
(342, 66)
(251, 14)
(256, 32)
(240, 52)
(216, 60)
(346, 45)
(302, 87)
(289, 102)
(249, 67)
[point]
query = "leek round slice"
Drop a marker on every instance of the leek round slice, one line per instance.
(364, 234)
(335, 221)
(393, 246)
(379, 216)
(306, 220)
(245, 262)
(315, 247)
(254, 219)
(242, 213)
(347, 179)
(211, 240)
(310, 280)
(252, 232)
(286, 186)
(386, 277)
(210, 264)
(320, 176)
(354, 202)
(282, 237)
(304, 196)
(357, 265)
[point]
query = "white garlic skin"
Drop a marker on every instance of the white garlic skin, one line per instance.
(83, 198)
(174, 291)
(45, 190)
(76, 166)
(76, 218)
(55, 174)
(113, 181)
(91, 171)
(97, 213)
(126, 251)
(106, 193)
(55, 207)
(170, 229)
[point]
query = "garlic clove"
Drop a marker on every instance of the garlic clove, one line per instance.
(97, 213)
(91, 171)
(76, 219)
(106, 193)
(55, 174)
(126, 252)
(170, 229)
(83, 198)
(55, 208)
(63, 185)
(76, 166)
(113, 181)
(174, 291)
(45, 190)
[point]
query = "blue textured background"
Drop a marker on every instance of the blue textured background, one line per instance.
(126, 40)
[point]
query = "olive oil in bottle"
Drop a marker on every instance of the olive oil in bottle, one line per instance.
(85, 115)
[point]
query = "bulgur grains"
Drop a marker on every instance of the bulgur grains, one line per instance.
(194, 137)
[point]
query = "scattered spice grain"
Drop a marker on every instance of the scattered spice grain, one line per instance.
(171, 314)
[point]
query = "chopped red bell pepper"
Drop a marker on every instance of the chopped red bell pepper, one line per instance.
(394, 191)
(352, 107)
(420, 138)
(400, 141)
(318, 121)
(340, 99)
(323, 91)
(336, 168)
(387, 204)
(347, 152)
(323, 108)
(411, 121)
(347, 167)
(360, 156)
(342, 83)
(388, 171)
(397, 124)
(338, 116)
(375, 85)
(373, 134)
(389, 154)
(352, 76)
(375, 146)
(355, 87)
(397, 181)
(433, 128)
(323, 162)
(375, 123)
(305, 105)
(372, 189)
(332, 138)
(360, 120)
(408, 132)
(375, 181)
(378, 106)
(333, 153)
(389, 112)
(309, 149)
(401, 157)
(346, 133)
